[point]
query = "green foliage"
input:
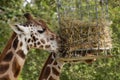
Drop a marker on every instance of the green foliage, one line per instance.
(4, 34)
(34, 64)
(106, 69)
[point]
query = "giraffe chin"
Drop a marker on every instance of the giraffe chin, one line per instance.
(54, 52)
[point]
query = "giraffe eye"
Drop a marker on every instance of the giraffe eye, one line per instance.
(41, 31)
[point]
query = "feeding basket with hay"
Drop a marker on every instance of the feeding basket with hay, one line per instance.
(80, 36)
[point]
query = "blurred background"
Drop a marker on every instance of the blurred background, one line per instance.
(105, 69)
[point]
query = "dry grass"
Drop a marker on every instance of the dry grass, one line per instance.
(76, 34)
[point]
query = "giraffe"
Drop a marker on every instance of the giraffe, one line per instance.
(53, 66)
(32, 34)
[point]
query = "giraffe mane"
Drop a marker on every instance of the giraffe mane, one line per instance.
(44, 67)
(8, 45)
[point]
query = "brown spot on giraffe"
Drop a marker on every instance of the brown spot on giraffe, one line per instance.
(31, 45)
(9, 47)
(55, 71)
(37, 39)
(21, 54)
(34, 38)
(52, 37)
(47, 46)
(54, 55)
(42, 41)
(28, 40)
(55, 63)
(31, 40)
(41, 46)
(15, 43)
(51, 60)
(28, 48)
(35, 44)
(46, 74)
(59, 67)
(8, 56)
(51, 78)
(16, 67)
(38, 43)
(21, 44)
(3, 68)
(31, 34)
(6, 77)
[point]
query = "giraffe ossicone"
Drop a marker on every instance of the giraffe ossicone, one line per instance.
(32, 34)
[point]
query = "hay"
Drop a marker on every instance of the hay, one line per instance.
(76, 34)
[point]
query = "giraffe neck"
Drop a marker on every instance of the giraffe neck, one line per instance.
(51, 69)
(12, 59)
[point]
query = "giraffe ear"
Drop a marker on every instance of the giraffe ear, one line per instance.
(19, 29)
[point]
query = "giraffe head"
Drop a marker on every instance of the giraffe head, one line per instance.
(36, 34)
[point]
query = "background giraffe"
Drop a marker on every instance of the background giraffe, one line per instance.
(52, 68)
(32, 34)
